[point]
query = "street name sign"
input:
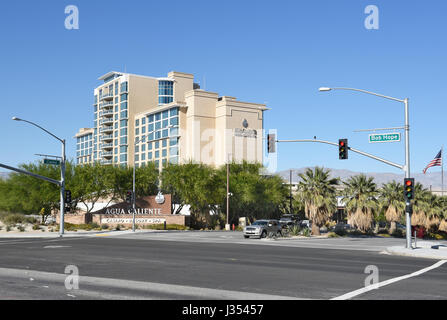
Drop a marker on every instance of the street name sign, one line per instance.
(51, 161)
(384, 137)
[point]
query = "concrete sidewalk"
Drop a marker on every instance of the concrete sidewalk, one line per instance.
(425, 249)
(71, 234)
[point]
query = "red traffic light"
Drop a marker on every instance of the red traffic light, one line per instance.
(408, 183)
(342, 143)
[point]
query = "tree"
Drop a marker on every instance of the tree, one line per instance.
(421, 205)
(317, 192)
(393, 202)
(360, 196)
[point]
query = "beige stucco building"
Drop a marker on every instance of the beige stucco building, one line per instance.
(171, 120)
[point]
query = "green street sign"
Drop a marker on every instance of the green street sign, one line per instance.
(51, 161)
(384, 137)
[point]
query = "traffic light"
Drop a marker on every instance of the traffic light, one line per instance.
(68, 197)
(129, 197)
(343, 149)
(409, 189)
(271, 143)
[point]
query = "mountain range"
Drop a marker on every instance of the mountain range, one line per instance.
(431, 180)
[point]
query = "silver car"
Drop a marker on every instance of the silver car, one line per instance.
(262, 228)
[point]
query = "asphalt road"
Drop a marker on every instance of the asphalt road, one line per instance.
(209, 267)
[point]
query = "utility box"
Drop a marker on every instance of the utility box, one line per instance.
(243, 222)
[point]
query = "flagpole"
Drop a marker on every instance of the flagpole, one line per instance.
(442, 171)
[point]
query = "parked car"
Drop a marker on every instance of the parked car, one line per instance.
(306, 224)
(262, 228)
(288, 220)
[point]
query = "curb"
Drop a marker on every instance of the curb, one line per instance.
(425, 253)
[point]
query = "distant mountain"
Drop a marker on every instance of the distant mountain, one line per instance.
(4, 175)
(430, 180)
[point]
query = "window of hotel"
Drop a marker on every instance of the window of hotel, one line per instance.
(137, 131)
(123, 114)
(124, 87)
(157, 154)
(143, 157)
(164, 143)
(124, 97)
(137, 122)
(143, 147)
(137, 158)
(165, 92)
(137, 149)
(123, 140)
(116, 88)
(143, 121)
(149, 156)
(123, 157)
(124, 106)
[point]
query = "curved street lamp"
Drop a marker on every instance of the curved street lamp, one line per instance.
(62, 182)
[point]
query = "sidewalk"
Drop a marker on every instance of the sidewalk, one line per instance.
(69, 234)
(425, 249)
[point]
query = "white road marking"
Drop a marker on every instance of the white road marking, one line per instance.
(358, 292)
(55, 247)
(152, 288)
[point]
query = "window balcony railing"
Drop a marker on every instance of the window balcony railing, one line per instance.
(106, 121)
(105, 137)
(106, 113)
(107, 146)
(106, 96)
(106, 162)
(107, 154)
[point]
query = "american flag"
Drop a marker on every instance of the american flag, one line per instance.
(437, 161)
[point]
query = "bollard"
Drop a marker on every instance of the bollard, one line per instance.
(415, 239)
(164, 225)
(233, 226)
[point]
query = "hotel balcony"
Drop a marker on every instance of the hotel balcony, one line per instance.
(106, 96)
(107, 146)
(106, 113)
(106, 129)
(106, 162)
(107, 154)
(107, 137)
(107, 104)
(106, 121)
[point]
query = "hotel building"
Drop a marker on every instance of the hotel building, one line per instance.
(140, 119)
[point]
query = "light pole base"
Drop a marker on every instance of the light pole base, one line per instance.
(227, 227)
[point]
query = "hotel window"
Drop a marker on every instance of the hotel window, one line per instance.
(143, 147)
(124, 97)
(116, 88)
(143, 157)
(137, 149)
(124, 87)
(137, 131)
(137, 123)
(165, 92)
(149, 156)
(137, 158)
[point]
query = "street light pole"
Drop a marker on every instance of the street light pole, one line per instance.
(62, 182)
(408, 209)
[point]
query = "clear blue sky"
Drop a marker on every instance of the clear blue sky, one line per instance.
(273, 52)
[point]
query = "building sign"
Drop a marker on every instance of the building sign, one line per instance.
(245, 133)
(145, 211)
(130, 220)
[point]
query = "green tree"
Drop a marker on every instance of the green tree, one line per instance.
(317, 192)
(360, 197)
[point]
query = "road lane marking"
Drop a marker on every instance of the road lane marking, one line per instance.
(56, 247)
(144, 287)
(376, 286)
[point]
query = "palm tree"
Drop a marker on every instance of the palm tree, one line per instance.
(360, 196)
(421, 206)
(443, 205)
(317, 191)
(392, 201)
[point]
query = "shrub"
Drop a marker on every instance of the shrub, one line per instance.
(295, 231)
(332, 235)
(398, 233)
(8, 228)
(104, 226)
(306, 232)
(118, 227)
(36, 226)
(21, 228)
